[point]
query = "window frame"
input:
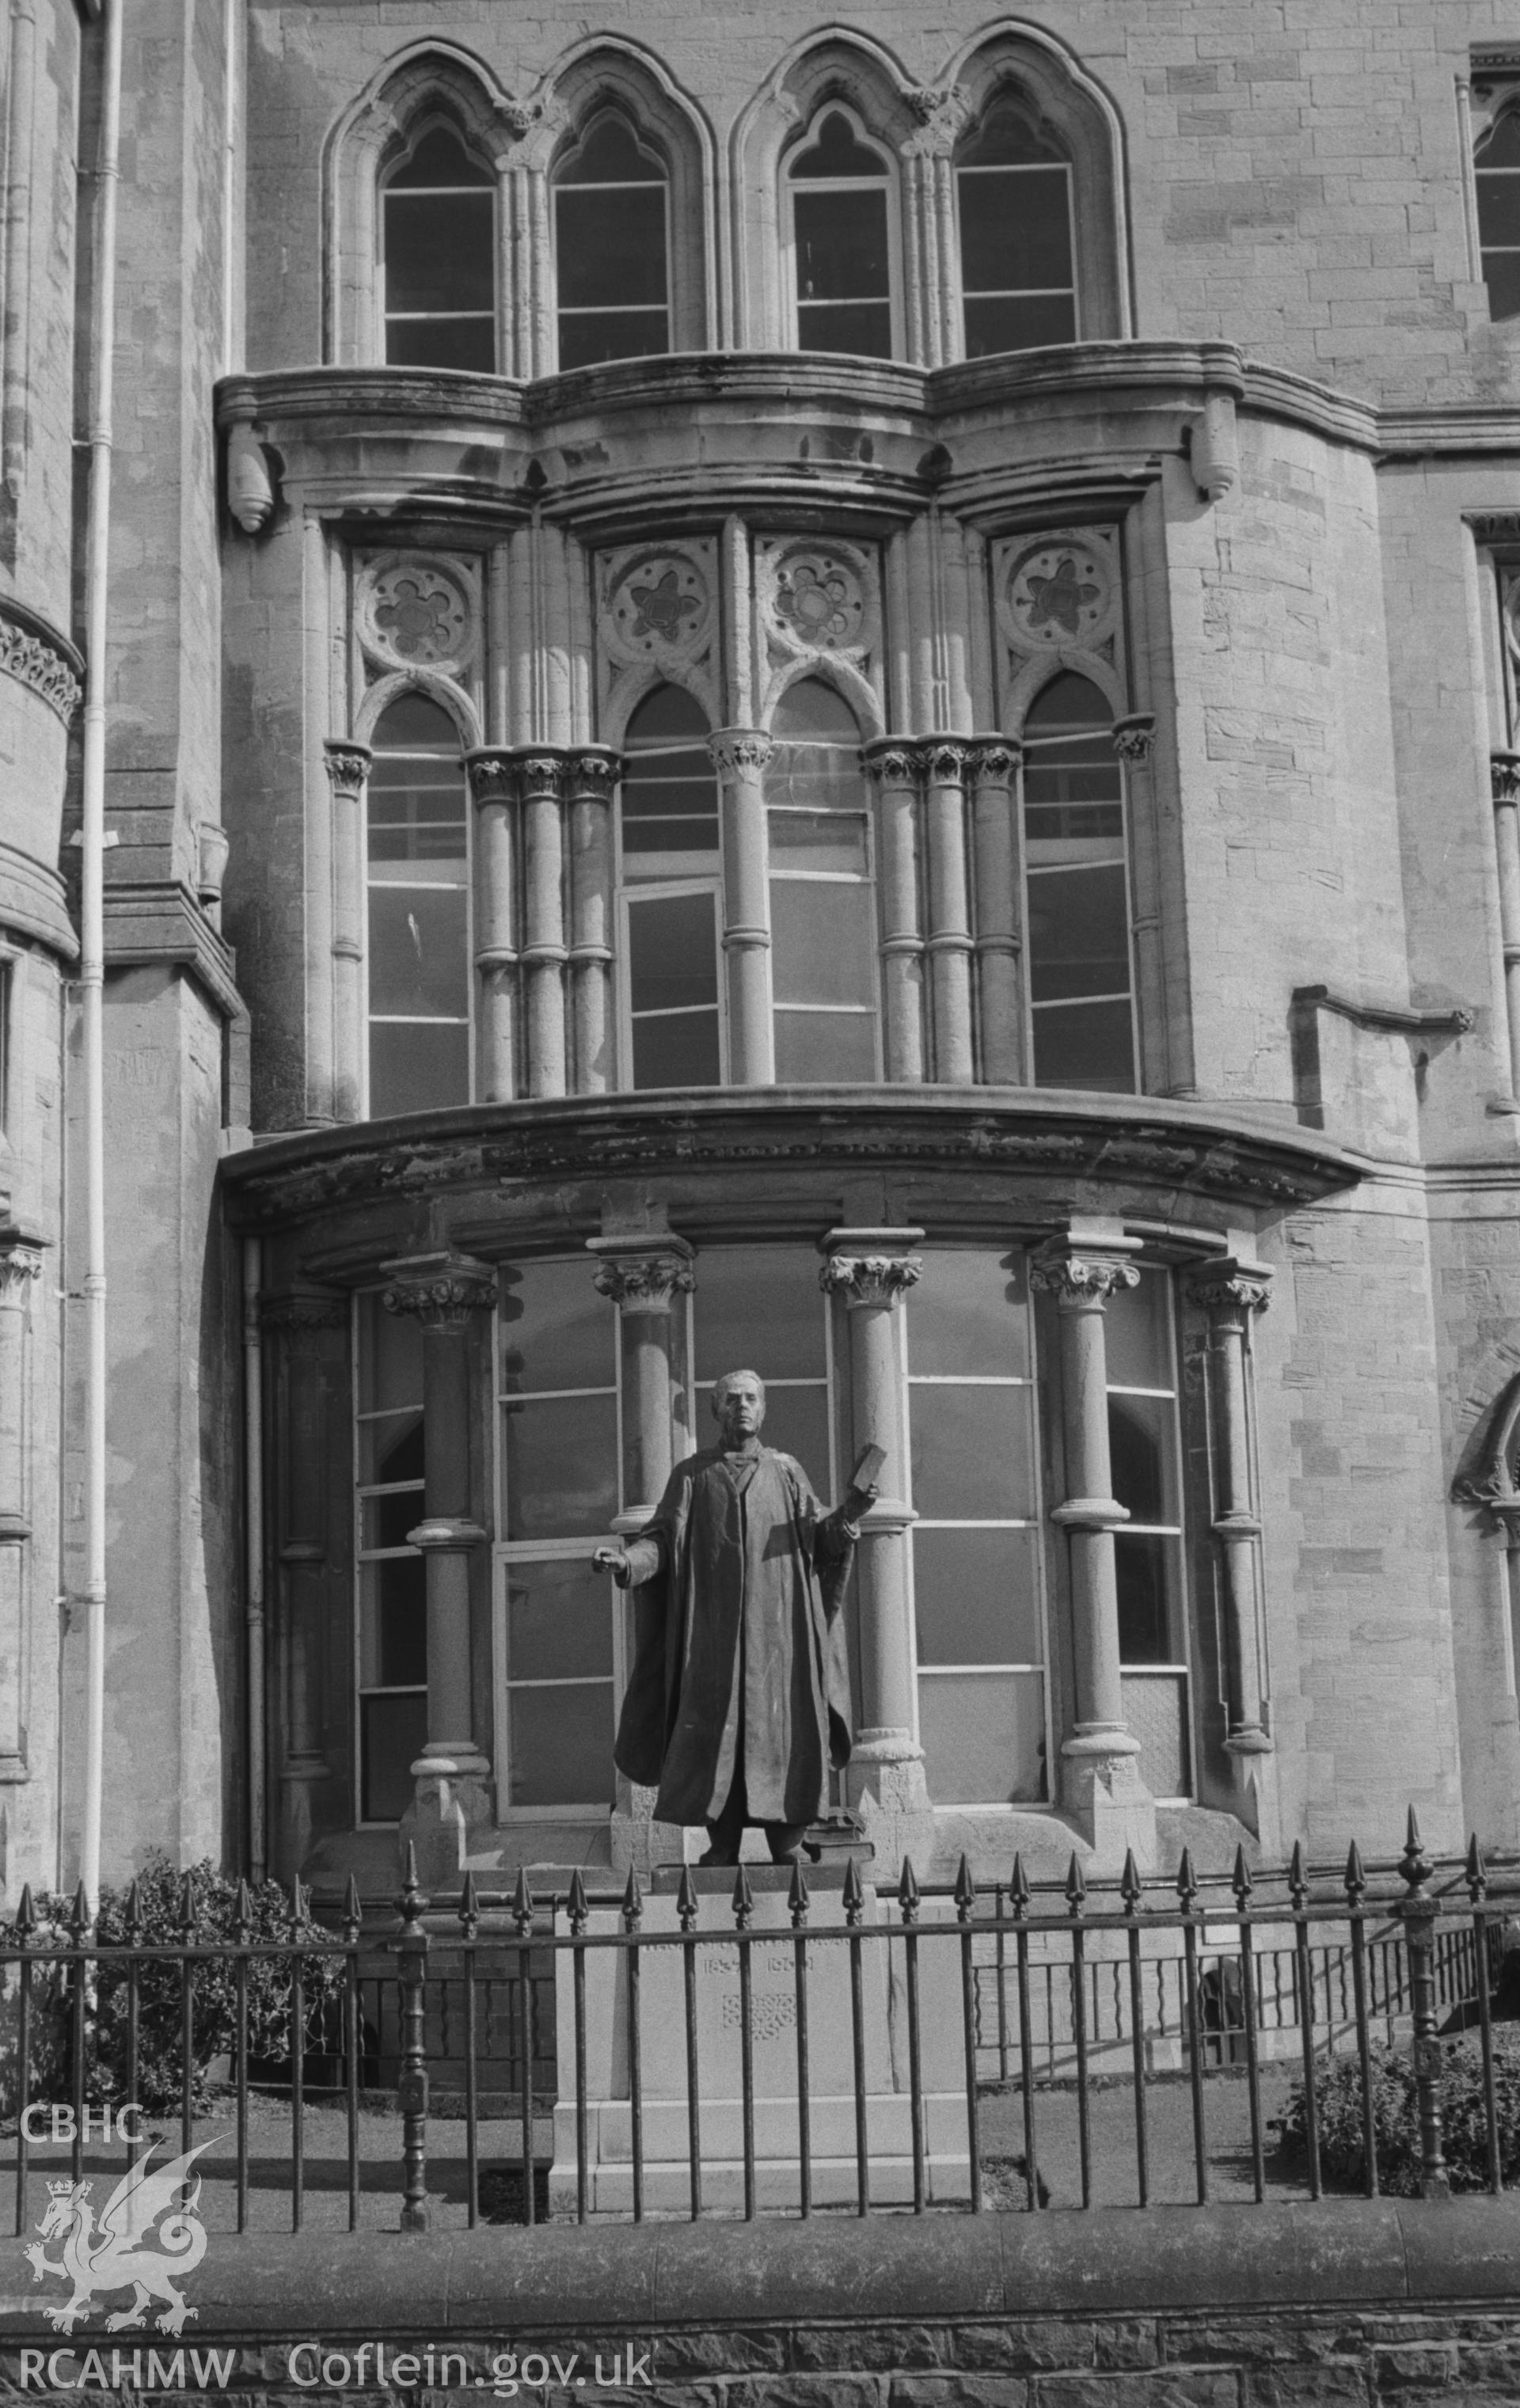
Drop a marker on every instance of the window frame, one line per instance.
(1183, 1663)
(964, 294)
(1506, 106)
(469, 1020)
(363, 1557)
(889, 185)
(557, 183)
(1028, 870)
(627, 891)
(417, 132)
(868, 878)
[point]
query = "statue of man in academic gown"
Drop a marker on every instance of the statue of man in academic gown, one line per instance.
(739, 1700)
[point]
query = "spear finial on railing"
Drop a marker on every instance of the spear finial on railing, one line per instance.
(300, 1905)
(187, 1906)
(242, 1913)
(1240, 1880)
(1477, 1873)
(1130, 1885)
(132, 1913)
(687, 1899)
(853, 1897)
(523, 1909)
(633, 1901)
(412, 1902)
(796, 1897)
(964, 1892)
(908, 1892)
(1076, 1886)
(580, 1912)
(1187, 1887)
(26, 1913)
(1018, 1888)
(1355, 1880)
(470, 1907)
(1414, 1868)
(743, 1899)
(1298, 1882)
(353, 1913)
(78, 1917)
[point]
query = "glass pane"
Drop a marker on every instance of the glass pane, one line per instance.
(759, 1309)
(1502, 148)
(822, 1049)
(418, 951)
(414, 724)
(1136, 1332)
(610, 154)
(385, 1521)
(841, 246)
(417, 1066)
(395, 1594)
(862, 328)
(679, 1051)
(442, 343)
(823, 942)
(556, 1331)
(391, 1358)
(1085, 1045)
(975, 1597)
(1006, 140)
(672, 953)
(440, 158)
(968, 1314)
(812, 714)
(610, 248)
(669, 716)
(439, 252)
(820, 840)
(1499, 211)
(1141, 1448)
(561, 1746)
(796, 1423)
(562, 1467)
(559, 1621)
(393, 1735)
(983, 1738)
(1015, 230)
(838, 152)
(1006, 325)
(972, 1458)
(612, 335)
(1501, 274)
(1155, 1710)
(1146, 1572)
(1079, 932)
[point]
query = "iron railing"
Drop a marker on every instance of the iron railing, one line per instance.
(773, 2048)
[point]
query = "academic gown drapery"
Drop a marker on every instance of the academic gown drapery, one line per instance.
(739, 1654)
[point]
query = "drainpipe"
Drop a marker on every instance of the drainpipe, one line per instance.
(91, 946)
(254, 1509)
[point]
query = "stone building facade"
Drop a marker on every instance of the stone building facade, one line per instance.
(835, 694)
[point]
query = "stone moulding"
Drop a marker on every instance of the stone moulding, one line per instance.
(1175, 1149)
(37, 655)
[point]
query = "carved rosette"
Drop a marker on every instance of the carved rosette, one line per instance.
(443, 1290)
(870, 1279)
(646, 1283)
(1504, 776)
(493, 776)
(1133, 736)
(1229, 1289)
(414, 611)
(1059, 593)
(657, 605)
(348, 765)
(816, 599)
(1081, 1281)
(32, 654)
(740, 753)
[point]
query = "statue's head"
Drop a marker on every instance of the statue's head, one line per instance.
(738, 1405)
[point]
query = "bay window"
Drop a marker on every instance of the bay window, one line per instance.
(1077, 893)
(668, 862)
(1013, 209)
(439, 235)
(611, 246)
(417, 948)
(822, 911)
(392, 1696)
(840, 195)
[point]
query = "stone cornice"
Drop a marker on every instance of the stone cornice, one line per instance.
(34, 652)
(1186, 1157)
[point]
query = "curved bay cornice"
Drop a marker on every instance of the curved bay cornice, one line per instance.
(1188, 1160)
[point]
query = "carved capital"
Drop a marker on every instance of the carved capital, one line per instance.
(741, 752)
(443, 1290)
(941, 110)
(37, 657)
(994, 763)
(592, 776)
(890, 761)
(493, 776)
(1504, 775)
(1134, 737)
(347, 765)
(543, 774)
(21, 1266)
(945, 760)
(1079, 1281)
(304, 1311)
(870, 1279)
(1228, 1288)
(642, 1280)
(519, 117)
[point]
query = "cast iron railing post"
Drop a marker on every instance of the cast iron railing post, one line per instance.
(26, 1924)
(1130, 1891)
(411, 2089)
(1477, 1881)
(964, 1913)
(1418, 1913)
(1241, 1883)
(1018, 1908)
(242, 1933)
(579, 1915)
(908, 1904)
(1356, 1882)
(352, 2037)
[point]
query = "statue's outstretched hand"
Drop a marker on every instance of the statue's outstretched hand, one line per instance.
(613, 1560)
(859, 1500)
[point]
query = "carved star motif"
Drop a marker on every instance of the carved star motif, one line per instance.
(1061, 599)
(663, 607)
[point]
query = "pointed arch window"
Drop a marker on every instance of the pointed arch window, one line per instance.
(839, 197)
(823, 908)
(668, 874)
(438, 247)
(417, 873)
(1498, 172)
(1013, 205)
(1077, 893)
(611, 246)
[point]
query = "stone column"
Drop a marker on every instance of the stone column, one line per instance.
(945, 760)
(20, 1269)
(492, 785)
(453, 1776)
(592, 776)
(348, 770)
(544, 951)
(1229, 1290)
(1082, 1270)
(870, 1269)
(311, 1327)
(890, 767)
(996, 854)
(741, 756)
(1505, 769)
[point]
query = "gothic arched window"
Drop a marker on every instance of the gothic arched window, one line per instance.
(1013, 202)
(417, 950)
(840, 191)
(1497, 169)
(823, 907)
(668, 869)
(439, 248)
(611, 246)
(1077, 892)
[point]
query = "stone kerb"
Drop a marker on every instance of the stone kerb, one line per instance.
(773, 2026)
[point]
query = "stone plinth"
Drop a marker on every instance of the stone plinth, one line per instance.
(773, 2024)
